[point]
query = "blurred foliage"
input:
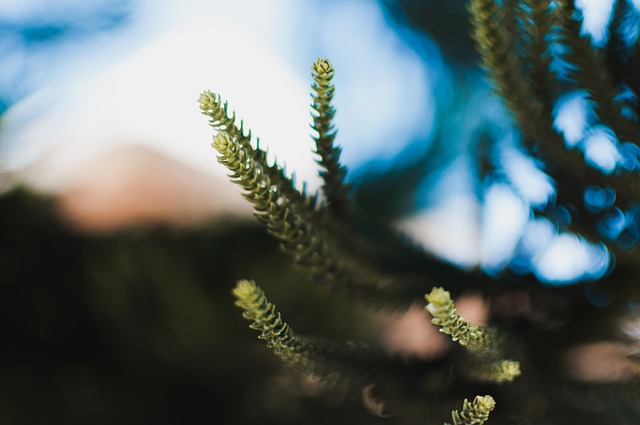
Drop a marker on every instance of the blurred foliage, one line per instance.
(446, 22)
(139, 326)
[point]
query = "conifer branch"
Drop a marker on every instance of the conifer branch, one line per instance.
(502, 62)
(617, 50)
(276, 210)
(475, 412)
(484, 343)
(279, 336)
(324, 358)
(537, 25)
(300, 238)
(305, 355)
(473, 338)
(222, 119)
(588, 67)
(335, 189)
(498, 52)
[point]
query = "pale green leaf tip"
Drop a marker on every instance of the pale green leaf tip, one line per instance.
(322, 66)
(206, 100)
(438, 296)
(487, 402)
(221, 141)
(244, 289)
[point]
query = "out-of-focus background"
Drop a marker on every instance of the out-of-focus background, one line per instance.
(121, 235)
